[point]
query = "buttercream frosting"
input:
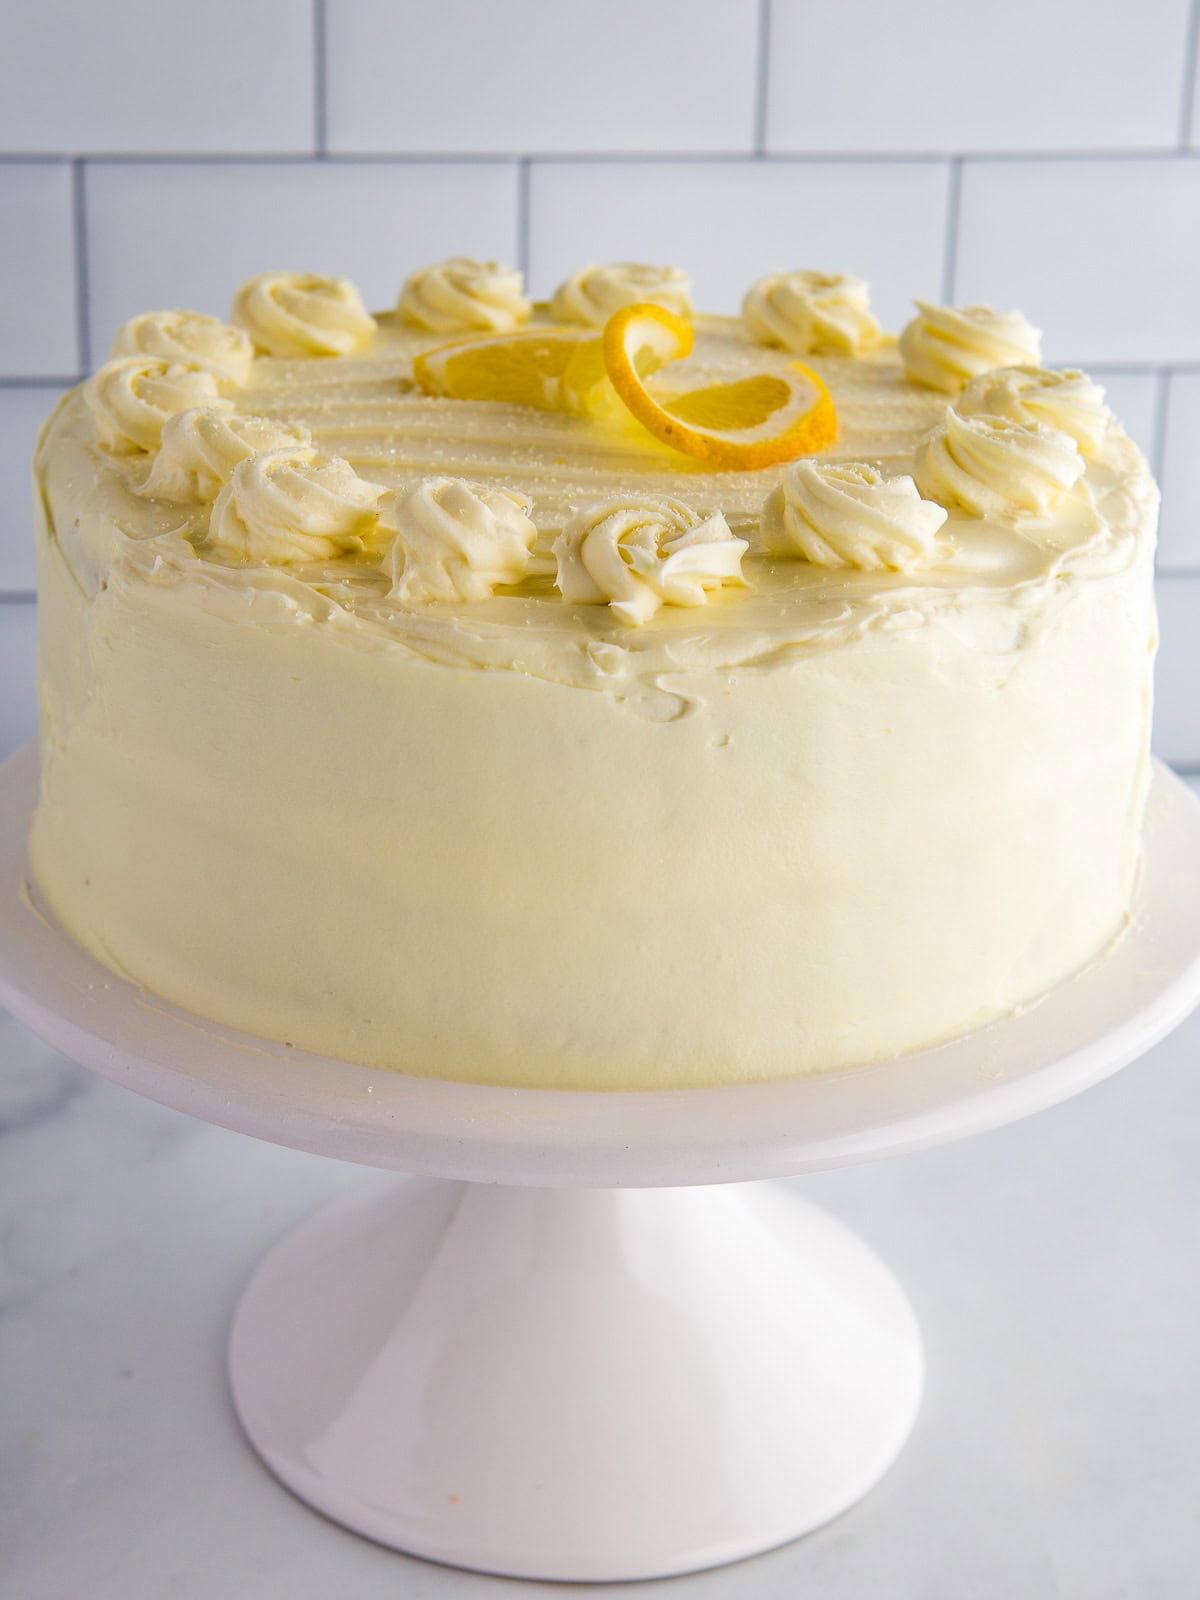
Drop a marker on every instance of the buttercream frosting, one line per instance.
(462, 294)
(993, 465)
(293, 505)
(848, 514)
(946, 346)
(188, 336)
(640, 554)
(593, 293)
(131, 397)
(808, 312)
(303, 314)
(200, 449)
(455, 540)
(1069, 400)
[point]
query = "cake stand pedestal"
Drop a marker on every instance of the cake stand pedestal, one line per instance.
(585, 1345)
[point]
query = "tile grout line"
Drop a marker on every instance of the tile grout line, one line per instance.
(950, 249)
(51, 380)
(1191, 48)
(762, 73)
(524, 178)
(320, 128)
(1162, 404)
(1168, 154)
(83, 315)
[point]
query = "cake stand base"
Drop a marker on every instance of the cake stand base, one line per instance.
(576, 1384)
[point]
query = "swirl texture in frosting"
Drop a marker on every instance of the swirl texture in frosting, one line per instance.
(990, 465)
(303, 314)
(462, 293)
(637, 555)
(200, 449)
(848, 514)
(593, 293)
(811, 312)
(945, 347)
(1069, 400)
(188, 336)
(456, 540)
(131, 397)
(293, 505)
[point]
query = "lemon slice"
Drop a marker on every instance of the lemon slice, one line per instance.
(753, 422)
(554, 369)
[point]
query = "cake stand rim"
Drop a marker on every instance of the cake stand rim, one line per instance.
(1141, 989)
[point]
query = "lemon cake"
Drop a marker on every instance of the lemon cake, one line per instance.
(591, 693)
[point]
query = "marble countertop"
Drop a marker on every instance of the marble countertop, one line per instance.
(1054, 1265)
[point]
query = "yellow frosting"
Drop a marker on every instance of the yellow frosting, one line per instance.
(990, 465)
(945, 347)
(848, 514)
(187, 336)
(461, 295)
(639, 554)
(303, 314)
(293, 505)
(200, 448)
(1067, 400)
(131, 397)
(593, 293)
(811, 311)
(456, 540)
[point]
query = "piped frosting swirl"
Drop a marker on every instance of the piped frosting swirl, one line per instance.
(594, 293)
(638, 555)
(303, 314)
(188, 336)
(1069, 400)
(811, 312)
(293, 505)
(201, 448)
(456, 540)
(945, 347)
(131, 397)
(464, 294)
(989, 465)
(848, 514)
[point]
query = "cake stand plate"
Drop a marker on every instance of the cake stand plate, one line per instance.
(567, 1351)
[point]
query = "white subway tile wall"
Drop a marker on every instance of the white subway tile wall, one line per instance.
(542, 76)
(1180, 475)
(133, 75)
(1043, 155)
(1178, 671)
(39, 334)
(940, 75)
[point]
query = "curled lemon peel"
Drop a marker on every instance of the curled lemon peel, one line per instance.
(754, 422)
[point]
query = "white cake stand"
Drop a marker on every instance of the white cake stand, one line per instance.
(566, 1353)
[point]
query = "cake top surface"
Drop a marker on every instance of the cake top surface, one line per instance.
(576, 490)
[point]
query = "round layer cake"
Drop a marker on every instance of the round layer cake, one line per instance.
(467, 718)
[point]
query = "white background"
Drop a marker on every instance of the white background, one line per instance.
(1044, 154)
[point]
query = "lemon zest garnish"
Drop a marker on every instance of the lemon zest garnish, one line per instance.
(754, 422)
